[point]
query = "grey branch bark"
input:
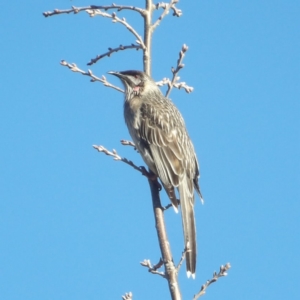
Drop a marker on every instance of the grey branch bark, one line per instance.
(148, 37)
(170, 270)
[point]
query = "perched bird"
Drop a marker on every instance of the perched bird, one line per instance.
(159, 133)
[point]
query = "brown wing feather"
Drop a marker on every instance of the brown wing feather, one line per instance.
(170, 146)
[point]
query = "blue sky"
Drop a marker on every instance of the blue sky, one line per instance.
(74, 224)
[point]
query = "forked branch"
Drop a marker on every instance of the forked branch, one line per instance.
(216, 276)
(116, 19)
(76, 10)
(113, 50)
(175, 78)
(173, 83)
(73, 67)
(167, 7)
(177, 85)
(154, 268)
(117, 157)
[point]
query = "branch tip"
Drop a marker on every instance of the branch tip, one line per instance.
(73, 67)
(127, 296)
(216, 276)
(153, 269)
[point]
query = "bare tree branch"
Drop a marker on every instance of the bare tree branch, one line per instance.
(115, 19)
(141, 169)
(153, 269)
(95, 10)
(175, 78)
(76, 10)
(127, 296)
(182, 259)
(112, 50)
(128, 143)
(222, 273)
(148, 37)
(73, 67)
(177, 85)
(117, 157)
(173, 83)
(165, 248)
(166, 6)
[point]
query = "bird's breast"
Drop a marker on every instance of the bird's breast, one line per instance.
(132, 112)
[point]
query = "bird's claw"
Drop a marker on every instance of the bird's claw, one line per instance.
(145, 172)
(151, 176)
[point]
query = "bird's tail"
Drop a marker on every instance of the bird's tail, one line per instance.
(186, 192)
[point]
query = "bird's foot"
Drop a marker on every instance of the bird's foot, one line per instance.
(151, 176)
(171, 205)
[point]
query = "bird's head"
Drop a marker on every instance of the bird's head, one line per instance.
(136, 83)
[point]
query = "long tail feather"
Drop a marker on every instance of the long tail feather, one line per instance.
(189, 227)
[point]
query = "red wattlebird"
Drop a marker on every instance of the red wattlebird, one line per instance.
(159, 133)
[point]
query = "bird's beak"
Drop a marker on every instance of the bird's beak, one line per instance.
(123, 77)
(115, 74)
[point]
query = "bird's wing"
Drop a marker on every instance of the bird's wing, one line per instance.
(170, 146)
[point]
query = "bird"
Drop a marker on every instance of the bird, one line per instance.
(158, 131)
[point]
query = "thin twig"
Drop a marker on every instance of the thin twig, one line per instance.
(182, 259)
(115, 19)
(117, 157)
(128, 143)
(166, 6)
(112, 50)
(177, 85)
(153, 269)
(176, 12)
(127, 296)
(175, 78)
(76, 10)
(222, 273)
(73, 67)
(151, 176)
(95, 10)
